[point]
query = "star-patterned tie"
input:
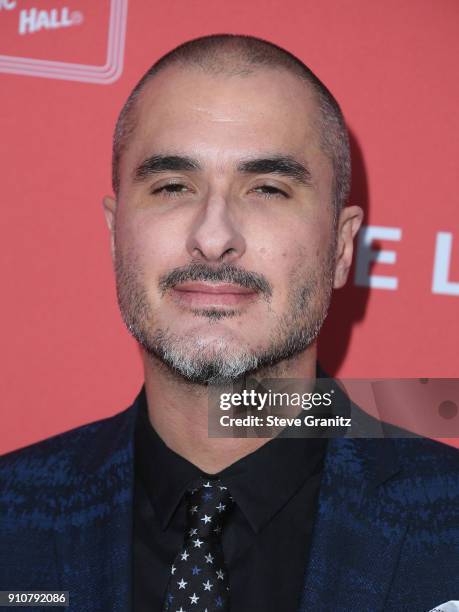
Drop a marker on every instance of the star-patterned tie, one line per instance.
(199, 578)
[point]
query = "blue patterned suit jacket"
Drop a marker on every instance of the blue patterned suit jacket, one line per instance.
(386, 535)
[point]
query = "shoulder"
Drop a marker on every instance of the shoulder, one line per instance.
(39, 479)
(63, 442)
(423, 455)
(424, 487)
(407, 475)
(414, 459)
(416, 455)
(429, 476)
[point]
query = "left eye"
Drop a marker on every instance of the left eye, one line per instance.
(268, 191)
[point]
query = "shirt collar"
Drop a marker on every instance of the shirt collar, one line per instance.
(261, 483)
(165, 474)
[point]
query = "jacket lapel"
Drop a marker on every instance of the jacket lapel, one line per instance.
(354, 550)
(357, 538)
(93, 531)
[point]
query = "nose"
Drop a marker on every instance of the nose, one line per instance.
(215, 236)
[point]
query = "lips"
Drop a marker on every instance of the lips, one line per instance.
(212, 294)
(215, 288)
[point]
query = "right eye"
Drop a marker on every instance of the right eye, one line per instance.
(170, 190)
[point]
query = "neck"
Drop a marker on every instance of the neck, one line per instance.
(178, 411)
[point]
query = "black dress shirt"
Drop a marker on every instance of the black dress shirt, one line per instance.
(267, 537)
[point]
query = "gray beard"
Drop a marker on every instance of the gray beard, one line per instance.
(203, 364)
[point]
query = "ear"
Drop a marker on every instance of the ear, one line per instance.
(349, 222)
(109, 204)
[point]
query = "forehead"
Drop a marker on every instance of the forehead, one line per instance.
(221, 118)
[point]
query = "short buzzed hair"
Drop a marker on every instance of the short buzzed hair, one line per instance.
(235, 54)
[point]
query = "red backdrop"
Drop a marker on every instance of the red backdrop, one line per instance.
(66, 66)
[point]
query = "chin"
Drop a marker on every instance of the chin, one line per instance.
(219, 345)
(207, 360)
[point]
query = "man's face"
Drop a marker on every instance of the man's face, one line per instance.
(224, 242)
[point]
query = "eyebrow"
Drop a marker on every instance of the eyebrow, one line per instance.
(283, 165)
(164, 163)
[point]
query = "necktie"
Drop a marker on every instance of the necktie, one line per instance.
(199, 578)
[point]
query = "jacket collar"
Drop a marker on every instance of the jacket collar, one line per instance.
(354, 549)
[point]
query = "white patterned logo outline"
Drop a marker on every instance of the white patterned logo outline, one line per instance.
(106, 74)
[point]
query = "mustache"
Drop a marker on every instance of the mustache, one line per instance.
(226, 273)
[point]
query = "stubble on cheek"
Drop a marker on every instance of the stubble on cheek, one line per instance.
(131, 292)
(308, 293)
